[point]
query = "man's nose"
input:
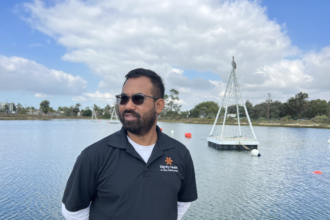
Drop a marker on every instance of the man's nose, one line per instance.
(130, 105)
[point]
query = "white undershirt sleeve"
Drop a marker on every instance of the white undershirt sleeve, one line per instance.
(182, 208)
(82, 214)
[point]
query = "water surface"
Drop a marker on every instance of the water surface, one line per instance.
(36, 158)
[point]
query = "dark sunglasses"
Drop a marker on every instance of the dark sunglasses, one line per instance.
(137, 99)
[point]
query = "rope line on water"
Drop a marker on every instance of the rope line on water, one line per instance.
(244, 146)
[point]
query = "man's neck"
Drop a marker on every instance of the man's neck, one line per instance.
(148, 139)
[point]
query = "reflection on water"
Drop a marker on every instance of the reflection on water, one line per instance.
(36, 158)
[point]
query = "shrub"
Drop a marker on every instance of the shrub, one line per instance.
(286, 118)
(321, 118)
(261, 119)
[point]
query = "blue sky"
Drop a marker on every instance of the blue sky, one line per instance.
(306, 21)
(303, 27)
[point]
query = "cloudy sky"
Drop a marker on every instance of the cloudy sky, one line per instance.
(69, 51)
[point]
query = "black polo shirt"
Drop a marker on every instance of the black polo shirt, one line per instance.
(121, 186)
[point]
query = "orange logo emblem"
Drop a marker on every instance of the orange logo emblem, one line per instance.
(168, 161)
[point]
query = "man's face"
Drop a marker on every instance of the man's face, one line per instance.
(138, 119)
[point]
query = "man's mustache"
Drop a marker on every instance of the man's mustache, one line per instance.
(135, 114)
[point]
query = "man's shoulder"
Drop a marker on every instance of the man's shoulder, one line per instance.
(175, 144)
(100, 147)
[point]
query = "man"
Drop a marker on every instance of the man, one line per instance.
(138, 172)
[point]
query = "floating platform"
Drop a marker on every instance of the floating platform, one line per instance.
(232, 143)
(232, 137)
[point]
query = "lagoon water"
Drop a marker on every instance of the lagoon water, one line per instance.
(36, 158)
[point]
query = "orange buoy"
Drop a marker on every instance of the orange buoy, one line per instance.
(161, 129)
(99, 121)
(187, 135)
(317, 172)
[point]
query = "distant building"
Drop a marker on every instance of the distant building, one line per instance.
(9, 109)
(231, 115)
(79, 114)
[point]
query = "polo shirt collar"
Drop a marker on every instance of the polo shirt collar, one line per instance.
(119, 140)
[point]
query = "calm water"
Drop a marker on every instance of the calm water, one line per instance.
(36, 158)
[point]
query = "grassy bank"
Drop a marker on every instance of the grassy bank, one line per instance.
(4, 116)
(275, 123)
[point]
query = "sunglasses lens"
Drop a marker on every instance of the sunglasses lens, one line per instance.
(122, 99)
(138, 99)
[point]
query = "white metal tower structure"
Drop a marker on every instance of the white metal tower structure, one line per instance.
(114, 118)
(94, 118)
(232, 131)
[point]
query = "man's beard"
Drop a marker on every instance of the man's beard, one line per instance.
(139, 126)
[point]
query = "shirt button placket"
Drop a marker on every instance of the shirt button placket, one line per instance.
(145, 171)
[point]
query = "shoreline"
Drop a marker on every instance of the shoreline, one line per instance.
(291, 123)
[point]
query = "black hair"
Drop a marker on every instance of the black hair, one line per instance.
(158, 89)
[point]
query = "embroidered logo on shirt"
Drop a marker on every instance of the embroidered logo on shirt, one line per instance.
(168, 161)
(168, 168)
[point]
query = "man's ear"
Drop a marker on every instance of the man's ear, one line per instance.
(160, 103)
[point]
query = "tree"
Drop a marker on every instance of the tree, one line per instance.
(86, 112)
(184, 114)
(23, 111)
(249, 107)
(68, 111)
(19, 107)
(171, 107)
(107, 109)
(260, 111)
(296, 106)
(76, 109)
(275, 109)
(44, 106)
(205, 109)
(51, 109)
(316, 108)
(97, 109)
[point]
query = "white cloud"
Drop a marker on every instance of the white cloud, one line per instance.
(114, 37)
(17, 73)
(37, 45)
(100, 96)
(96, 96)
(288, 77)
(41, 95)
(178, 71)
(78, 99)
